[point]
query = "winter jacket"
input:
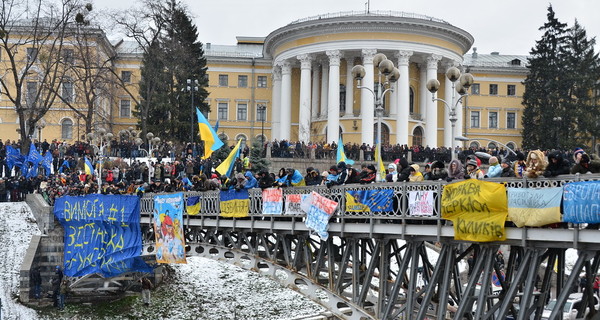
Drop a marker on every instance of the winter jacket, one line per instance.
(561, 166)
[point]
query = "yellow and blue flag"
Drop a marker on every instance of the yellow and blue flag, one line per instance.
(533, 207)
(192, 205)
(380, 166)
(89, 168)
(234, 204)
(341, 155)
(226, 167)
(369, 200)
(208, 135)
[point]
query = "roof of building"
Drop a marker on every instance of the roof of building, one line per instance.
(234, 51)
(494, 60)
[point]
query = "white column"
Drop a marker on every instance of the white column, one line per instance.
(286, 100)
(367, 101)
(423, 90)
(393, 100)
(276, 107)
(324, 88)
(448, 138)
(432, 110)
(403, 96)
(315, 91)
(349, 87)
(305, 104)
(333, 104)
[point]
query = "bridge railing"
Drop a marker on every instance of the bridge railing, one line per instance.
(210, 200)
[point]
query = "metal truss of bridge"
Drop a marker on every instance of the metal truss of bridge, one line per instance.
(398, 266)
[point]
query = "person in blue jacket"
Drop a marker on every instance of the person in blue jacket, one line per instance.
(294, 178)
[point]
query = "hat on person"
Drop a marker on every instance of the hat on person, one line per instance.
(392, 166)
(371, 167)
(472, 162)
(505, 160)
(414, 167)
(578, 150)
(341, 165)
(520, 156)
(240, 176)
(493, 160)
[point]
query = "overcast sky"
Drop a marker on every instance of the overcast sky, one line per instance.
(509, 26)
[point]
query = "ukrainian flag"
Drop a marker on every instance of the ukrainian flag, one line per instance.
(380, 166)
(89, 169)
(208, 135)
(192, 205)
(341, 155)
(226, 167)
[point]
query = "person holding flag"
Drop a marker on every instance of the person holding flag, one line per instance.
(341, 155)
(226, 167)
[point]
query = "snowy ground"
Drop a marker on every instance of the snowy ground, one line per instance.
(203, 289)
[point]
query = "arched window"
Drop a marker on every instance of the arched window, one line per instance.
(244, 140)
(511, 145)
(474, 144)
(492, 145)
(67, 129)
(385, 134)
(417, 136)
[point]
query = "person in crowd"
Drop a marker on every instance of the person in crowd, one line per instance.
(371, 175)
(536, 164)
(495, 170)
(252, 182)
(294, 178)
(146, 287)
(281, 178)
(415, 173)
(241, 182)
(585, 165)
(312, 178)
(427, 172)
(507, 171)
(65, 287)
(36, 280)
(332, 177)
(392, 175)
(520, 167)
(438, 171)
(557, 165)
(324, 177)
(456, 170)
(265, 180)
(473, 171)
(577, 153)
(347, 174)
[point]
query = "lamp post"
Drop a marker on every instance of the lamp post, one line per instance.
(39, 126)
(391, 74)
(262, 109)
(464, 82)
(101, 140)
(152, 140)
(192, 87)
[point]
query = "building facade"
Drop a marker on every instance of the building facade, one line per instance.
(296, 84)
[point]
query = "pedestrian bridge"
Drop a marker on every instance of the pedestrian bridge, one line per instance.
(395, 265)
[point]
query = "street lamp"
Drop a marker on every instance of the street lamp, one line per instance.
(192, 87)
(40, 125)
(100, 139)
(464, 139)
(391, 74)
(464, 82)
(151, 140)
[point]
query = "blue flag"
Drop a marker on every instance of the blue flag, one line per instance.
(14, 157)
(34, 156)
(63, 165)
(47, 162)
(341, 155)
(217, 126)
(32, 172)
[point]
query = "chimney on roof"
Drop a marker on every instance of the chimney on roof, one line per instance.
(474, 54)
(495, 53)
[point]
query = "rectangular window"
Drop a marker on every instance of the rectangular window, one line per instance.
(475, 89)
(493, 89)
(68, 56)
(243, 81)
(242, 111)
(223, 80)
(511, 120)
(511, 90)
(67, 91)
(493, 119)
(474, 119)
(126, 76)
(261, 112)
(125, 109)
(32, 54)
(222, 111)
(31, 93)
(262, 82)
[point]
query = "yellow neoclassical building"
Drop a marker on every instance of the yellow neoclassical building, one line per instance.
(296, 84)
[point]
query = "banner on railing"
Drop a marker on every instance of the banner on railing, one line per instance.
(168, 228)
(317, 218)
(102, 234)
(192, 205)
(369, 200)
(478, 210)
(234, 203)
(582, 202)
(272, 201)
(420, 203)
(534, 207)
(293, 204)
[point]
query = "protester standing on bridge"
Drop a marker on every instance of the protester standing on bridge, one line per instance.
(536, 164)
(507, 171)
(520, 167)
(146, 287)
(473, 170)
(455, 170)
(585, 165)
(415, 173)
(438, 171)
(556, 165)
(370, 176)
(495, 170)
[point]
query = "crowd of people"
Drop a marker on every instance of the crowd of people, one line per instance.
(184, 170)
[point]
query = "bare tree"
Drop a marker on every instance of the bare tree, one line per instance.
(32, 35)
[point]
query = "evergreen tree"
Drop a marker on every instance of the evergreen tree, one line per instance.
(258, 161)
(544, 86)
